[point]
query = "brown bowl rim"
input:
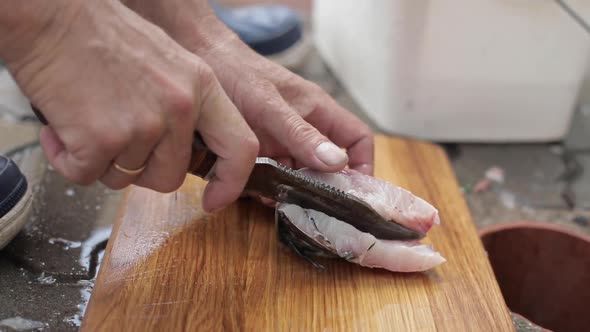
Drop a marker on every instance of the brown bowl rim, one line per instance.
(537, 225)
(531, 225)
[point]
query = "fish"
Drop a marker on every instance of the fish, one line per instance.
(313, 233)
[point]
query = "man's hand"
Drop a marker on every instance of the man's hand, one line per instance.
(117, 89)
(296, 121)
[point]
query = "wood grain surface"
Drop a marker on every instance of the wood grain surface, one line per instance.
(169, 267)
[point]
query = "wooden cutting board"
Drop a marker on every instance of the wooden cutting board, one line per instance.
(167, 267)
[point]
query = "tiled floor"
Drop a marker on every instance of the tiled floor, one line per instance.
(47, 271)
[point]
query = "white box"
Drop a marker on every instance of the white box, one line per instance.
(458, 70)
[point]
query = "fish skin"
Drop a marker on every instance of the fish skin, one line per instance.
(390, 201)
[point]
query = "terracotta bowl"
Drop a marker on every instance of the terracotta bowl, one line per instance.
(543, 272)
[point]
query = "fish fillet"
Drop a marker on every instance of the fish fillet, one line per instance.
(391, 202)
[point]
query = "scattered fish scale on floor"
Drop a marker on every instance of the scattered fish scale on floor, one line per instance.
(313, 233)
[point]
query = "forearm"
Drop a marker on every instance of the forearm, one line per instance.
(29, 25)
(192, 23)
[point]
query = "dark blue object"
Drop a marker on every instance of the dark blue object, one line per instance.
(13, 185)
(267, 29)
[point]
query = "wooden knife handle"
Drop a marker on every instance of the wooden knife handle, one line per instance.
(202, 160)
(40, 115)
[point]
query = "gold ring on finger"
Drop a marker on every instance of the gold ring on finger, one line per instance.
(128, 171)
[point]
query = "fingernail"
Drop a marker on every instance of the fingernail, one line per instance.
(206, 207)
(330, 154)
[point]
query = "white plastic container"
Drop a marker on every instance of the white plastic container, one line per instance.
(458, 70)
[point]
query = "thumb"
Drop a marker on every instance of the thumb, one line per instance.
(305, 143)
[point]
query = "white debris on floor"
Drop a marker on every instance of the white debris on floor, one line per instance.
(67, 243)
(46, 280)
(495, 174)
(21, 324)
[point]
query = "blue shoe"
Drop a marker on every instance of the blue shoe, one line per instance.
(270, 30)
(15, 200)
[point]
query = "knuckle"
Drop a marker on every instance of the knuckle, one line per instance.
(251, 146)
(366, 134)
(110, 141)
(366, 131)
(206, 79)
(151, 129)
(271, 108)
(79, 168)
(266, 86)
(370, 137)
(299, 131)
(314, 89)
(179, 103)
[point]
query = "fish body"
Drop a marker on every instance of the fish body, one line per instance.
(334, 238)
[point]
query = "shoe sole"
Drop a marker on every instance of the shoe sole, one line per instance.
(15, 220)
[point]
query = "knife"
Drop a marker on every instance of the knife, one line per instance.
(282, 184)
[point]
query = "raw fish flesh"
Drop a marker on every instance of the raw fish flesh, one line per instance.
(391, 202)
(315, 233)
